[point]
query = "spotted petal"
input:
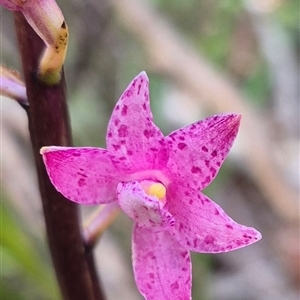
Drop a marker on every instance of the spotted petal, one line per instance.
(202, 225)
(145, 210)
(132, 135)
(198, 150)
(162, 267)
(83, 175)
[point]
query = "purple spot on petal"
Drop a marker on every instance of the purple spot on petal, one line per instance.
(109, 134)
(229, 226)
(124, 110)
(144, 106)
(213, 171)
(128, 93)
(206, 181)
(216, 212)
(180, 227)
(209, 239)
(117, 107)
(175, 285)
(129, 152)
(122, 131)
(214, 153)
(195, 170)
(82, 174)
(195, 243)
(218, 163)
(181, 146)
(148, 133)
(204, 149)
(149, 286)
(238, 243)
(139, 88)
(247, 236)
(76, 154)
(81, 182)
(191, 202)
(207, 163)
(117, 122)
(182, 138)
(116, 147)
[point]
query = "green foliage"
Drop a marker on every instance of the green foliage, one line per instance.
(207, 24)
(257, 86)
(288, 15)
(25, 272)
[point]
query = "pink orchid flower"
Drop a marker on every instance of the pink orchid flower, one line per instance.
(156, 181)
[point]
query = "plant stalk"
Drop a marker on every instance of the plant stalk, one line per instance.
(49, 125)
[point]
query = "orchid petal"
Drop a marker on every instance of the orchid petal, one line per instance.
(202, 225)
(132, 135)
(198, 150)
(143, 209)
(83, 175)
(162, 267)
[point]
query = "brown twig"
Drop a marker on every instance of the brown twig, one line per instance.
(49, 125)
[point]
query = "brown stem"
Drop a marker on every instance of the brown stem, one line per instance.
(49, 125)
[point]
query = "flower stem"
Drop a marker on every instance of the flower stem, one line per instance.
(49, 125)
(98, 222)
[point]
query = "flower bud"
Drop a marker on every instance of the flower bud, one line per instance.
(12, 86)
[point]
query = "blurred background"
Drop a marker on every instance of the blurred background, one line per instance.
(202, 57)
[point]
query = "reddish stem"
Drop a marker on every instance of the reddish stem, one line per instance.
(49, 125)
